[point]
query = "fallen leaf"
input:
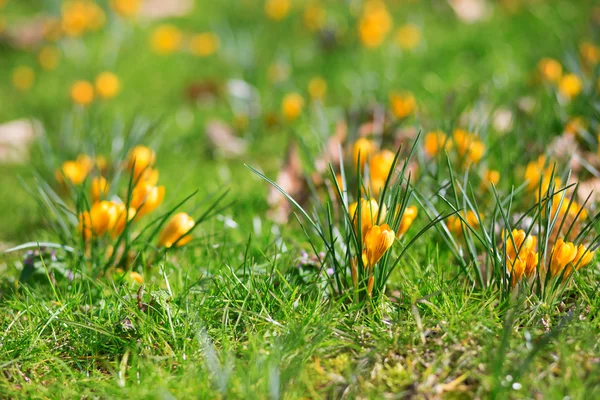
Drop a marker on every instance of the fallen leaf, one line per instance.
(157, 9)
(202, 91)
(16, 138)
(27, 34)
(223, 139)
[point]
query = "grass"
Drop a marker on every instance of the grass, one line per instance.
(232, 315)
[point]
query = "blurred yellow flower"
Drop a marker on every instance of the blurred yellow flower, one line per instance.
(589, 52)
(550, 69)
(103, 216)
(139, 159)
(79, 16)
(23, 78)
(82, 93)
(314, 16)
(562, 254)
(126, 8)
(175, 232)
(468, 146)
(136, 277)
(99, 188)
(292, 106)
(537, 174)
(410, 214)
(277, 9)
(204, 44)
(363, 148)
(148, 176)
(317, 87)
(584, 256)
(370, 214)
(146, 198)
(568, 207)
(107, 85)
(491, 176)
(575, 126)
(435, 141)
(374, 24)
(570, 86)
(476, 152)
(454, 223)
(379, 169)
(122, 218)
(403, 104)
(75, 171)
(408, 36)
(378, 240)
(48, 57)
(166, 39)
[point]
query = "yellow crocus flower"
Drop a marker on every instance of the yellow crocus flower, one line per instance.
(175, 232)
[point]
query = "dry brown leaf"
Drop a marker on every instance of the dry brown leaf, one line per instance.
(590, 187)
(565, 147)
(202, 91)
(223, 139)
(157, 9)
(16, 138)
(292, 181)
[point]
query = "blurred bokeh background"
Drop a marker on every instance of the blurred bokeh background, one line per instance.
(214, 78)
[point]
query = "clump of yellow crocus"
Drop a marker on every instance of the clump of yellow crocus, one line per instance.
(563, 253)
(521, 257)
